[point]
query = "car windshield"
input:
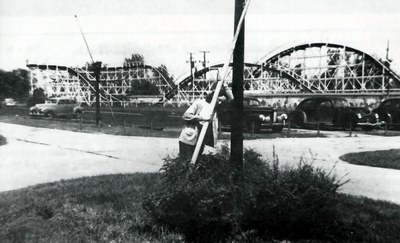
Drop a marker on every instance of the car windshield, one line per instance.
(51, 101)
(341, 103)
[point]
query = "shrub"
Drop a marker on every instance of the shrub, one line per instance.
(297, 203)
(212, 201)
(3, 140)
(38, 97)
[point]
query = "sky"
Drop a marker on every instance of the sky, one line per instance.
(165, 32)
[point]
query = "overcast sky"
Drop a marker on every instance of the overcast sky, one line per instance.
(165, 31)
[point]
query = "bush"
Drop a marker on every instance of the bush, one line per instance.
(213, 201)
(298, 203)
(3, 140)
(38, 97)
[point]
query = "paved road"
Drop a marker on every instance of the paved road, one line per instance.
(37, 155)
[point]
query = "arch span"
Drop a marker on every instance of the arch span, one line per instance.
(334, 68)
(258, 80)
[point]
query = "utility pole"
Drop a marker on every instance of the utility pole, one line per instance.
(387, 51)
(97, 70)
(205, 62)
(237, 90)
(237, 32)
(191, 71)
(96, 66)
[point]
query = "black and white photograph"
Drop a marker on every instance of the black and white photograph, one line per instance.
(199, 121)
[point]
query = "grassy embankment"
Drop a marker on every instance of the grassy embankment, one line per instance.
(106, 208)
(382, 158)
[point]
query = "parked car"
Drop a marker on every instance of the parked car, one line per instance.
(389, 112)
(332, 112)
(57, 107)
(9, 102)
(256, 116)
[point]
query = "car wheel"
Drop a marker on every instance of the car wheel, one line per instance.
(299, 119)
(50, 114)
(277, 129)
(78, 114)
(388, 118)
(249, 126)
(351, 122)
(367, 128)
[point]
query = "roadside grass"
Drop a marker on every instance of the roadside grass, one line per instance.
(381, 158)
(152, 123)
(3, 140)
(90, 209)
(108, 209)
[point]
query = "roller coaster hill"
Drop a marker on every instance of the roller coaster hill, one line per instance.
(79, 83)
(281, 78)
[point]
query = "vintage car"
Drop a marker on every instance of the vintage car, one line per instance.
(332, 112)
(9, 102)
(256, 116)
(389, 112)
(56, 107)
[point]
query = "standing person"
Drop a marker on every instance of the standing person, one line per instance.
(195, 116)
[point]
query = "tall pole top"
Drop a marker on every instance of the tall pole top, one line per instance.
(87, 46)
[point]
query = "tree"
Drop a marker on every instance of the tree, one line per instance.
(143, 87)
(162, 70)
(135, 60)
(37, 97)
(14, 84)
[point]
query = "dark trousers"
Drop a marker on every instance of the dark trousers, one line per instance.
(186, 150)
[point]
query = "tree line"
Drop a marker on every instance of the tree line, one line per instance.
(14, 84)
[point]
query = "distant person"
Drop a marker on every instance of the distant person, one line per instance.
(195, 116)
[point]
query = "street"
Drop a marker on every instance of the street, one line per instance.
(39, 155)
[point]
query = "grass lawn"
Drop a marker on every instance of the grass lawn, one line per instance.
(98, 209)
(3, 140)
(382, 158)
(108, 208)
(151, 123)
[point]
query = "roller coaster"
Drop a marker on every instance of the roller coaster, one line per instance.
(78, 83)
(301, 69)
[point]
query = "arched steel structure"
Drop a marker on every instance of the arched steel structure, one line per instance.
(334, 68)
(258, 80)
(78, 83)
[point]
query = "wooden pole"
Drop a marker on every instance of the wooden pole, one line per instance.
(220, 82)
(237, 90)
(97, 69)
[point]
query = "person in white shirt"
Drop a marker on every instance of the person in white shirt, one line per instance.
(195, 116)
